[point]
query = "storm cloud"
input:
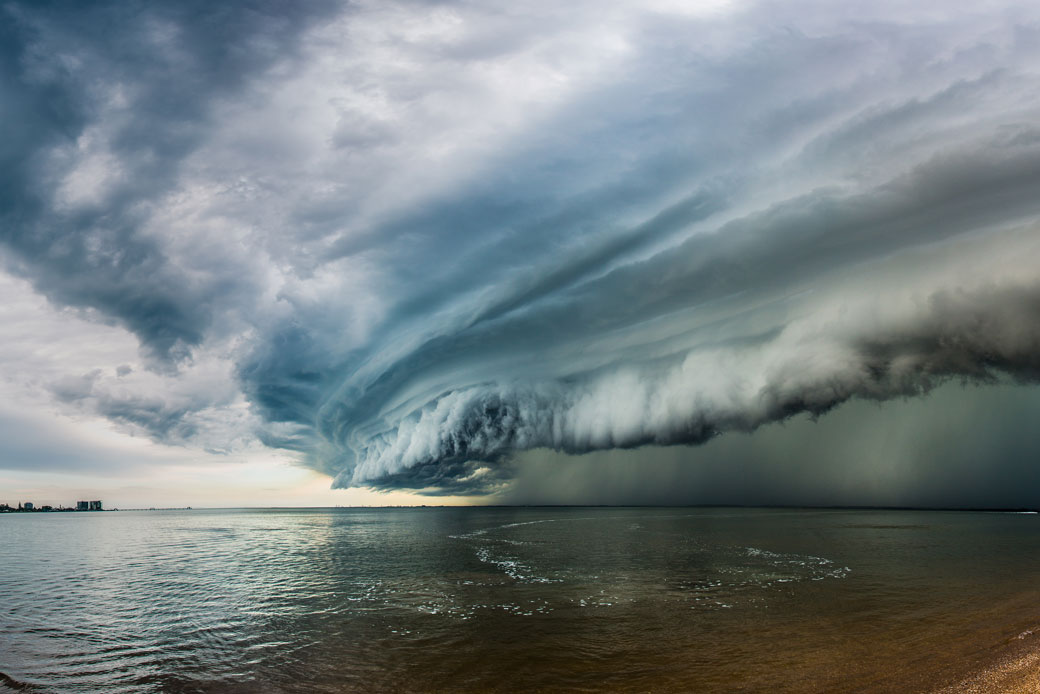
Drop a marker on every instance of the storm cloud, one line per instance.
(407, 242)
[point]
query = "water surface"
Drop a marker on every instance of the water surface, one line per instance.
(511, 599)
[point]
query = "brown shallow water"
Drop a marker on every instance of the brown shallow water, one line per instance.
(529, 599)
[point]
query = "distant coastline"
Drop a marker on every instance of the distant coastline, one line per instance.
(5, 508)
(31, 507)
(28, 507)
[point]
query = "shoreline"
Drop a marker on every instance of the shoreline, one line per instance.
(1015, 669)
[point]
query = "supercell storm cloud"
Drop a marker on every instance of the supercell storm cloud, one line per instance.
(407, 241)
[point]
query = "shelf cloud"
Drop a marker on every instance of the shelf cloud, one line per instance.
(407, 241)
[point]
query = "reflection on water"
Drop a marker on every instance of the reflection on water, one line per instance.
(510, 599)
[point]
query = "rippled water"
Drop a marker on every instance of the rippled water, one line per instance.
(501, 599)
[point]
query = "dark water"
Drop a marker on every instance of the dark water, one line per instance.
(478, 600)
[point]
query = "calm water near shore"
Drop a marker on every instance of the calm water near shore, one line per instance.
(512, 599)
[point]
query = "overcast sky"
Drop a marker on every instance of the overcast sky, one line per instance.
(649, 252)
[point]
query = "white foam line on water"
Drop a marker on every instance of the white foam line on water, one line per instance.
(784, 568)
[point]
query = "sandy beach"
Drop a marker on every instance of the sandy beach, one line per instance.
(1015, 671)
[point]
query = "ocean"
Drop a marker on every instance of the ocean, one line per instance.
(512, 599)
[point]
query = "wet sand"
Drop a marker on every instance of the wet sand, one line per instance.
(1016, 670)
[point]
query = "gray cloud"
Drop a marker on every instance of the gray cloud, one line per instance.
(31, 443)
(120, 94)
(427, 238)
(957, 447)
(714, 299)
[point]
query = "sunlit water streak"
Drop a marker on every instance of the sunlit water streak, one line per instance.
(510, 599)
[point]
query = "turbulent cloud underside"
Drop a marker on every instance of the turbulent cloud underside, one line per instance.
(408, 241)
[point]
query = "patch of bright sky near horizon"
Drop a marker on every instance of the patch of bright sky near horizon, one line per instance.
(56, 453)
(417, 247)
